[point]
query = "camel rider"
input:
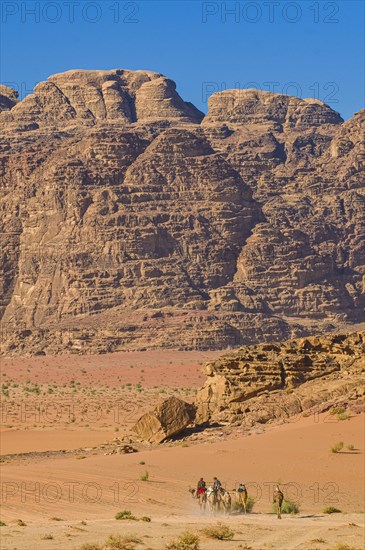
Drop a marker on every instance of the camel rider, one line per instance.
(201, 488)
(216, 485)
(241, 488)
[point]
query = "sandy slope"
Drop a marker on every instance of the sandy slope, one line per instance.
(94, 489)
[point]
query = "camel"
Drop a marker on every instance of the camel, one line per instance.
(213, 500)
(242, 497)
(225, 499)
(202, 498)
(278, 500)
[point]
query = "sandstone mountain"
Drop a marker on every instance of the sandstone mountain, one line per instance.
(132, 221)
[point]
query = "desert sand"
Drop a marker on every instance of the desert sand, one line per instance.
(70, 499)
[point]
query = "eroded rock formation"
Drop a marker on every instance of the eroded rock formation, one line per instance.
(264, 382)
(130, 221)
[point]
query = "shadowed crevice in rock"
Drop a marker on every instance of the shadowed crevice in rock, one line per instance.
(282, 374)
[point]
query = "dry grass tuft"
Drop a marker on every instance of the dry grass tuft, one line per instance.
(331, 510)
(219, 532)
(186, 541)
(337, 447)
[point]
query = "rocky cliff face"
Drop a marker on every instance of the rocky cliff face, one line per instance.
(131, 221)
(265, 382)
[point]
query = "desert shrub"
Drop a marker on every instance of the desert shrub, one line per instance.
(337, 447)
(288, 507)
(21, 523)
(331, 510)
(125, 514)
(118, 542)
(145, 518)
(250, 504)
(47, 537)
(337, 410)
(342, 546)
(219, 532)
(2, 524)
(55, 518)
(237, 507)
(145, 476)
(350, 447)
(343, 416)
(186, 541)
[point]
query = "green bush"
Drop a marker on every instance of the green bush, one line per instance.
(219, 532)
(287, 507)
(125, 514)
(186, 541)
(237, 507)
(337, 410)
(350, 447)
(343, 416)
(118, 542)
(337, 447)
(331, 510)
(250, 504)
(145, 476)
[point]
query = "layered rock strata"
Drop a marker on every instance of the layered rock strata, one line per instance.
(264, 382)
(131, 221)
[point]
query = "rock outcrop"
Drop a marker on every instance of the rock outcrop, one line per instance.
(168, 419)
(89, 97)
(264, 382)
(8, 98)
(129, 221)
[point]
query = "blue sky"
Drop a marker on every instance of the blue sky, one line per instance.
(306, 48)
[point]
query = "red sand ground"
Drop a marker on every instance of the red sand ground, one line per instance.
(161, 368)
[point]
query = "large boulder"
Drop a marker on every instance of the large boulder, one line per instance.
(166, 420)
